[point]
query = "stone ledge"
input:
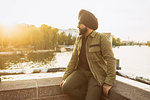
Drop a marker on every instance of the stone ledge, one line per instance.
(48, 89)
(57, 97)
(125, 91)
(15, 85)
(20, 94)
(30, 89)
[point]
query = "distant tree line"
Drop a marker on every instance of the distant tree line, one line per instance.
(30, 36)
(118, 42)
(43, 37)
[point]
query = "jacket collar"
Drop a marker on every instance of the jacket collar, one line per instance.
(93, 34)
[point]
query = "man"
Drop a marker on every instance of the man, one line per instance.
(91, 69)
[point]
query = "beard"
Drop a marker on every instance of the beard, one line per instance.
(82, 31)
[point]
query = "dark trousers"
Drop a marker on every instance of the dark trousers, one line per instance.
(81, 85)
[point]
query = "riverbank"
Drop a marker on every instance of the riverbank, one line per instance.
(10, 50)
(25, 52)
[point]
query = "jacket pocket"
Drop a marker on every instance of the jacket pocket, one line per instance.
(94, 48)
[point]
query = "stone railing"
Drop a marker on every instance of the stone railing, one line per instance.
(36, 89)
(48, 89)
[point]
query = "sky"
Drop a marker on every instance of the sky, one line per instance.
(125, 19)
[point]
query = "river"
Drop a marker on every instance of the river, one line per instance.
(134, 60)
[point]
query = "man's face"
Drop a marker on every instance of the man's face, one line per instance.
(82, 29)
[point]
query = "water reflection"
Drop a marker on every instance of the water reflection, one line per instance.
(43, 57)
(15, 61)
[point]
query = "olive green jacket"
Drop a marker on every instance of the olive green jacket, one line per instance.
(100, 58)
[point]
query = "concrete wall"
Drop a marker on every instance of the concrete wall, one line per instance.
(48, 89)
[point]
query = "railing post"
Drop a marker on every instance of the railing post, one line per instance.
(117, 64)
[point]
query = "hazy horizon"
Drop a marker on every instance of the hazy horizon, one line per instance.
(126, 19)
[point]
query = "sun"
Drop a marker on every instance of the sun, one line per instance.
(8, 28)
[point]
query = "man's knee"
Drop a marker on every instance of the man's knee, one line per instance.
(65, 88)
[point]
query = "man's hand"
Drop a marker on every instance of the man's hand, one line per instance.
(106, 89)
(62, 82)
